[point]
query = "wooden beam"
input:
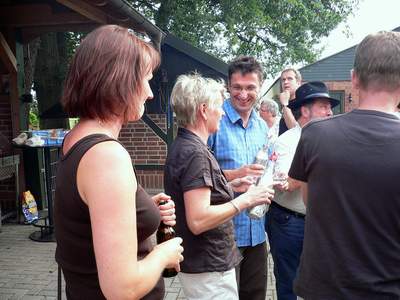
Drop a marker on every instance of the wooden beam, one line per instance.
(85, 9)
(153, 126)
(7, 56)
(14, 102)
(30, 33)
(30, 15)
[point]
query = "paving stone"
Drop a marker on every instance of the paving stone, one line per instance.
(28, 270)
(171, 296)
(181, 295)
(8, 285)
(35, 291)
(52, 293)
(14, 294)
(4, 279)
(172, 289)
(30, 297)
(39, 281)
(15, 276)
(176, 284)
(52, 286)
(168, 281)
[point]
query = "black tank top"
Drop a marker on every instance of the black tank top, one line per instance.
(75, 252)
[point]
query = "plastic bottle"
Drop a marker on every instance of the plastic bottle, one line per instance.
(266, 158)
(261, 159)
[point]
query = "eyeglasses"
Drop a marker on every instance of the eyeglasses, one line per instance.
(248, 89)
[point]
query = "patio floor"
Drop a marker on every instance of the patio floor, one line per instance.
(28, 270)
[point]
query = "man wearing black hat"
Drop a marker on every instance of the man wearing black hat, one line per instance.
(349, 168)
(287, 212)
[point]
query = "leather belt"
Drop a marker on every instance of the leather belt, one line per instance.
(287, 210)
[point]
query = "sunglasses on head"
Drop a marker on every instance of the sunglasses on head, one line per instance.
(141, 36)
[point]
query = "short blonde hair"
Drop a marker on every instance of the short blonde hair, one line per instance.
(192, 90)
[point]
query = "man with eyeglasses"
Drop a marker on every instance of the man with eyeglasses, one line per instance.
(269, 112)
(242, 133)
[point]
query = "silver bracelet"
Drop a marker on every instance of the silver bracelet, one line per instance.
(235, 206)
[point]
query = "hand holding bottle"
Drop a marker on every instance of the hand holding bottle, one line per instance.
(242, 184)
(172, 252)
(166, 207)
(258, 211)
(255, 170)
(165, 234)
(256, 195)
(280, 181)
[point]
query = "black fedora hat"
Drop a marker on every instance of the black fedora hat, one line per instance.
(307, 92)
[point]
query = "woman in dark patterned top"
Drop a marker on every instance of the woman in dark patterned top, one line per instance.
(203, 197)
(103, 217)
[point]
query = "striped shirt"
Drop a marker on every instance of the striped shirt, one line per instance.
(234, 146)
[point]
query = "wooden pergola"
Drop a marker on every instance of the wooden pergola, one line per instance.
(21, 21)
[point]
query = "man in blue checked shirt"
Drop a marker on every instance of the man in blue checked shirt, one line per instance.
(242, 133)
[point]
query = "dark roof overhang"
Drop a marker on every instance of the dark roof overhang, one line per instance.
(35, 17)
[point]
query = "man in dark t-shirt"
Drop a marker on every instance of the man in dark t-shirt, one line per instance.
(290, 80)
(349, 167)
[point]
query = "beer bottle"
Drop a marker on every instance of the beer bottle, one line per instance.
(165, 233)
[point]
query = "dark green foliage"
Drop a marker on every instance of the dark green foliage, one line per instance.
(276, 32)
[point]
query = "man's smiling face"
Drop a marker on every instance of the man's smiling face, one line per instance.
(244, 89)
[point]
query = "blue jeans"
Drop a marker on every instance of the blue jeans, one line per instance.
(285, 233)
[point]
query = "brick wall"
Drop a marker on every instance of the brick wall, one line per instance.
(145, 147)
(7, 186)
(346, 87)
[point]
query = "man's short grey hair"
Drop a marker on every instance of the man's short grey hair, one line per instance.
(377, 61)
(295, 71)
(190, 91)
(271, 106)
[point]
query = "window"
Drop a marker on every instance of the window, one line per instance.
(340, 96)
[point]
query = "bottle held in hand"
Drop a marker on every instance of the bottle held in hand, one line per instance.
(257, 212)
(261, 159)
(165, 233)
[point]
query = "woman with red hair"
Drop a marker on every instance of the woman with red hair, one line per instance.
(103, 217)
